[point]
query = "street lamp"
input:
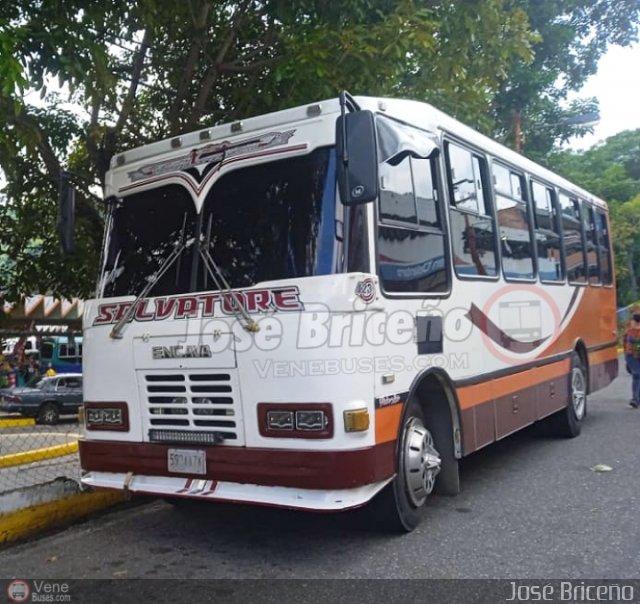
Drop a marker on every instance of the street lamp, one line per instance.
(585, 120)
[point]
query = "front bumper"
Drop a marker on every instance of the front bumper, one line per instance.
(211, 490)
(322, 480)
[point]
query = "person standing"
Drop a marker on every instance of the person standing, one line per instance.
(632, 354)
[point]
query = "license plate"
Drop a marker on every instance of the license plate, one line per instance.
(186, 461)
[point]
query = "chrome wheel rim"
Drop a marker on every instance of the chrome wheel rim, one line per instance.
(421, 461)
(578, 392)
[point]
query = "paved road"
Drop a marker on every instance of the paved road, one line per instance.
(531, 508)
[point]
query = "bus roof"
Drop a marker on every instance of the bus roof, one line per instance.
(416, 113)
(424, 115)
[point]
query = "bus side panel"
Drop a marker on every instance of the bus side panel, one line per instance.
(495, 408)
(603, 367)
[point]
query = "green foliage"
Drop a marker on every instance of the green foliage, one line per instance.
(149, 69)
(135, 72)
(573, 35)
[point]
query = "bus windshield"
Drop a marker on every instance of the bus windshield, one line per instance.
(265, 222)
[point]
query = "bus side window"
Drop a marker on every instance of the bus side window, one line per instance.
(514, 222)
(472, 223)
(547, 233)
(574, 248)
(604, 245)
(594, 262)
(411, 244)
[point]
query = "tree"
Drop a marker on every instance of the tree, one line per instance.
(113, 75)
(572, 36)
(626, 232)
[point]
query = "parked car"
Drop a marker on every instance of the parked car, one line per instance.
(47, 399)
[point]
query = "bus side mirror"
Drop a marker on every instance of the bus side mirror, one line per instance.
(357, 169)
(66, 213)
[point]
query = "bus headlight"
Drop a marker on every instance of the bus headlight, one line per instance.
(280, 420)
(295, 420)
(106, 416)
(310, 420)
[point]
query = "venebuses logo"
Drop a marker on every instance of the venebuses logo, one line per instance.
(18, 590)
(38, 590)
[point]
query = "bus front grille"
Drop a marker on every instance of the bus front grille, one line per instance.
(184, 402)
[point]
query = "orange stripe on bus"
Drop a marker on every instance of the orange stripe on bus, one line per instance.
(585, 324)
(388, 418)
(602, 356)
(387, 423)
(470, 396)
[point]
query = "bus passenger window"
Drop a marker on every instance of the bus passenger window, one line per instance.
(513, 224)
(411, 248)
(593, 253)
(472, 226)
(604, 245)
(411, 260)
(572, 237)
(547, 234)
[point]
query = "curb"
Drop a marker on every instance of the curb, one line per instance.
(35, 519)
(17, 422)
(17, 459)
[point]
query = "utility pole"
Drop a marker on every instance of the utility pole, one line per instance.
(517, 131)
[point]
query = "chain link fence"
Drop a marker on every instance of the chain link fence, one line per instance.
(33, 453)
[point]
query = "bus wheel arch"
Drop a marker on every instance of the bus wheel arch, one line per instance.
(581, 350)
(426, 459)
(436, 395)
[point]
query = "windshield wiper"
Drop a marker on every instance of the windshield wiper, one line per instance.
(179, 247)
(221, 283)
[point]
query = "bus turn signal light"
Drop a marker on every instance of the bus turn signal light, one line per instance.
(356, 420)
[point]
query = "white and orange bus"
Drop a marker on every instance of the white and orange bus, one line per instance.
(331, 305)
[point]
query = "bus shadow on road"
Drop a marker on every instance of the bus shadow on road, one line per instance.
(196, 517)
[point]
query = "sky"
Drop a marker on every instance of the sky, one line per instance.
(617, 87)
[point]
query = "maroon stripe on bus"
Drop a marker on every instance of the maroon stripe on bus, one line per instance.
(272, 467)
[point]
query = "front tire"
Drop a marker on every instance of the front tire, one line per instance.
(397, 507)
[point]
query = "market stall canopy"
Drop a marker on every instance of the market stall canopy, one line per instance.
(40, 315)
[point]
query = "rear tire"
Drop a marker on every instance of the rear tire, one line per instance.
(397, 508)
(568, 422)
(49, 414)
